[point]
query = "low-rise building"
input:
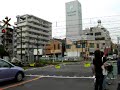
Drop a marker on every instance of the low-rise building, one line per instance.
(53, 48)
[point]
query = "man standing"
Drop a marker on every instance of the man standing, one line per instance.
(97, 62)
(118, 68)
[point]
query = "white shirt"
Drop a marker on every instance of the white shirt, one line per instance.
(104, 71)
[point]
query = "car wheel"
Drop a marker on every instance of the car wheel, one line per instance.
(19, 76)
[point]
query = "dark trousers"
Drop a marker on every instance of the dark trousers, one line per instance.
(118, 87)
(99, 81)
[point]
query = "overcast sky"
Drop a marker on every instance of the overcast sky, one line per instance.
(54, 11)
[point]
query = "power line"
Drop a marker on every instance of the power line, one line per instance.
(90, 18)
(103, 23)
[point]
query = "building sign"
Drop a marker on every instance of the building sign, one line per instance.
(40, 52)
(71, 11)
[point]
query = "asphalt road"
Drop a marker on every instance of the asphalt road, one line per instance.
(59, 84)
(74, 69)
(68, 77)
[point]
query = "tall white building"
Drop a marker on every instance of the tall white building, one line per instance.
(36, 32)
(73, 19)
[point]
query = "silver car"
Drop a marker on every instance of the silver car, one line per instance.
(8, 71)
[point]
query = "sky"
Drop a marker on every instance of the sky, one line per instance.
(54, 11)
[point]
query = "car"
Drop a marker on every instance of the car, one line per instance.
(8, 71)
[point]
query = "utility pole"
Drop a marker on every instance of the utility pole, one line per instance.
(37, 48)
(54, 49)
(61, 46)
(21, 43)
(7, 37)
(14, 29)
(82, 47)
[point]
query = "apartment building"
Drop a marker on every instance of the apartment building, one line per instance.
(101, 36)
(35, 32)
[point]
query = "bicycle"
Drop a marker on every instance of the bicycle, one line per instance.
(110, 77)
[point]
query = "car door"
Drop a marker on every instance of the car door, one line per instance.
(6, 72)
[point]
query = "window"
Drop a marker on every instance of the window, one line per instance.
(103, 43)
(91, 45)
(83, 45)
(102, 38)
(78, 46)
(97, 45)
(97, 33)
(91, 29)
(89, 34)
(54, 47)
(68, 46)
(58, 46)
(4, 64)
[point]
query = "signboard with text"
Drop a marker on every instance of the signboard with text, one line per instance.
(40, 52)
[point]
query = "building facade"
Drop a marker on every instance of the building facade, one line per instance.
(101, 36)
(53, 48)
(35, 33)
(91, 39)
(73, 19)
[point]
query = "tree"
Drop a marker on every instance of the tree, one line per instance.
(2, 51)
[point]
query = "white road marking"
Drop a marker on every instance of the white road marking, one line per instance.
(82, 77)
(30, 69)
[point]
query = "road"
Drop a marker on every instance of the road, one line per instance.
(73, 69)
(69, 77)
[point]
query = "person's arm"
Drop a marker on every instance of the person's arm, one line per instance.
(93, 66)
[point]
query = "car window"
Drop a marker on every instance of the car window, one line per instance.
(4, 64)
(0, 63)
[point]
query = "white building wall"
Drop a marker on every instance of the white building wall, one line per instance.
(73, 54)
(73, 19)
(34, 31)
